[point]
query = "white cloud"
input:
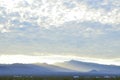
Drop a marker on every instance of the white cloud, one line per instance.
(70, 24)
(3, 30)
(10, 59)
(46, 13)
(88, 32)
(51, 59)
(114, 3)
(1, 26)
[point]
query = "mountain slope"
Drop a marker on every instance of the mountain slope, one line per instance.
(89, 67)
(30, 69)
(66, 68)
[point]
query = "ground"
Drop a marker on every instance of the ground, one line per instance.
(56, 78)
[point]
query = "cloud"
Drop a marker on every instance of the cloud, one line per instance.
(79, 27)
(51, 59)
(53, 13)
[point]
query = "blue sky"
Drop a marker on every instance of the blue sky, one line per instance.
(77, 28)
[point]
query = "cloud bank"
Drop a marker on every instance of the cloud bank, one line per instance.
(84, 28)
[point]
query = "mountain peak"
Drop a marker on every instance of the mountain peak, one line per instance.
(93, 71)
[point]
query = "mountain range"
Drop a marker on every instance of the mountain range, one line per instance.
(72, 67)
(89, 67)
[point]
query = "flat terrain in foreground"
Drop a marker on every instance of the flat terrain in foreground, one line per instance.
(56, 78)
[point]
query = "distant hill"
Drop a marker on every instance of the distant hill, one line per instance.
(30, 69)
(89, 67)
(72, 67)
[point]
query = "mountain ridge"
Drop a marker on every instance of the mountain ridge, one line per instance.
(71, 67)
(89, 66)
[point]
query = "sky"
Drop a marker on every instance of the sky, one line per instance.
(58, 30)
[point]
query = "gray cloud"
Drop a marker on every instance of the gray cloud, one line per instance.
(58, 26)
